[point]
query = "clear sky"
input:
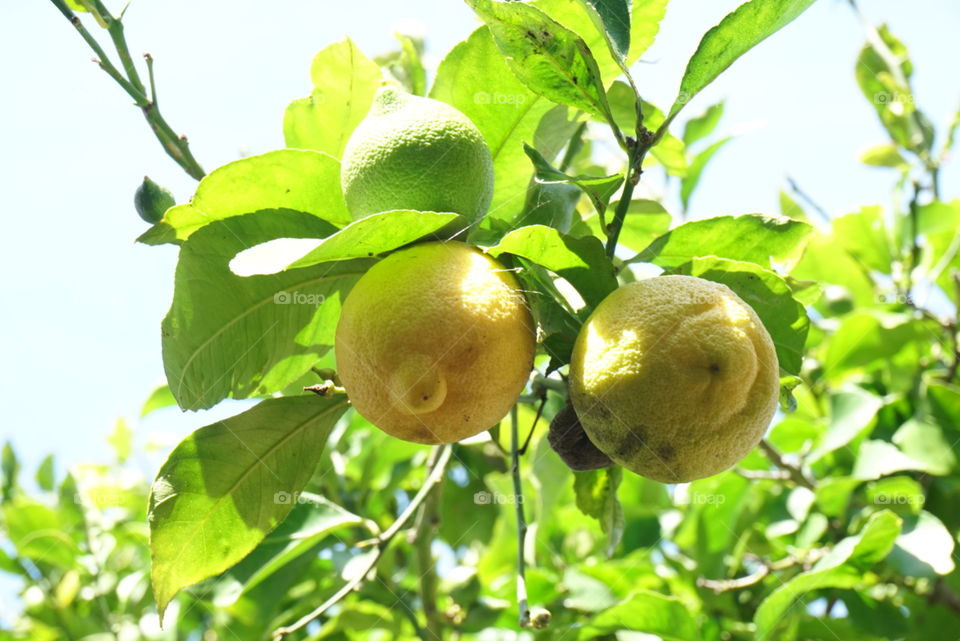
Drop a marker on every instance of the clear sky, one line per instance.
(79, 332)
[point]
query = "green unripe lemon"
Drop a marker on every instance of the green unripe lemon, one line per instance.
(416, 153)
(674, 377)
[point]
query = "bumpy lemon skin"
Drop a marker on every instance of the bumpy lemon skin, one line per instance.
(416, 153)
(435, 343)
(674, 377)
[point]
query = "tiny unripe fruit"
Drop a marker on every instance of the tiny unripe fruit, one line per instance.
(152, 201)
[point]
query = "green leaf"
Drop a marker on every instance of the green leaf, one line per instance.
(867, 340)
(121, 440)
(556, 320)
(689, 182)
(952, 132)
(901, 494)
(582, 261)
(596, 496)
(9, 469)
(375, 235)
(769, 296)
(652, 613)
(310, 521)
(886, 155)
(841, 568)
(46, 479)
(552, 205)
(924, 549)
(700, 127)
(853, 412)
(644, 222)
(751, 238)
(550, 60)
(645, 17)
(884, 79)
(299, 180)
(475, 79)
(227, 485)
(227, 335)
(879, 458)
(344, 82)
(38, 533)
(822, 263)
(749, 25)
(790, 208)
(406, 65)
(599, 189)
(612, 19)
(926, 442)
(159, 398)
(864, 235)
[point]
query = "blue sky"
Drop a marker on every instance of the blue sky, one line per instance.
(79, 336)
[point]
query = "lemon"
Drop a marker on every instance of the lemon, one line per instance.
(674, 377)
(435, 343)
(416, 153)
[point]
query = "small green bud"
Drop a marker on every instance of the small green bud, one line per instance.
(152, 201)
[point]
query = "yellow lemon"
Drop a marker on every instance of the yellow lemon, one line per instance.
(435, 343)
(674, 377)
(416, 153)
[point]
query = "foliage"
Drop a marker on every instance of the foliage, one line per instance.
(299, 518)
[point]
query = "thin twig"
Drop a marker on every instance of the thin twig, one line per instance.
(766, 567)
(536, 419)
(522, 603)
(175, 145)
(423, 534)
(796, 473)
(437, 470)
(795, 188)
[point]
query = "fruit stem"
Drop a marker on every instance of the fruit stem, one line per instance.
(637, 153)
(439, 460)
(424, 532)
(521, 521)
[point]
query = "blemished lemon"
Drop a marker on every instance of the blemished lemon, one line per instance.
(674, 377)
(416, 153)
(435, 343)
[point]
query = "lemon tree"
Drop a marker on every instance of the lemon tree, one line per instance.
(494, 393)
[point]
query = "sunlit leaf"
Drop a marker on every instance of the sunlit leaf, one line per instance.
(228, 485)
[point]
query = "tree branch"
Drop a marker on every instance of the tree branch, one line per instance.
(423, 534)
(796, 473)
(726, 585)
(439, 461)
(175, 145)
